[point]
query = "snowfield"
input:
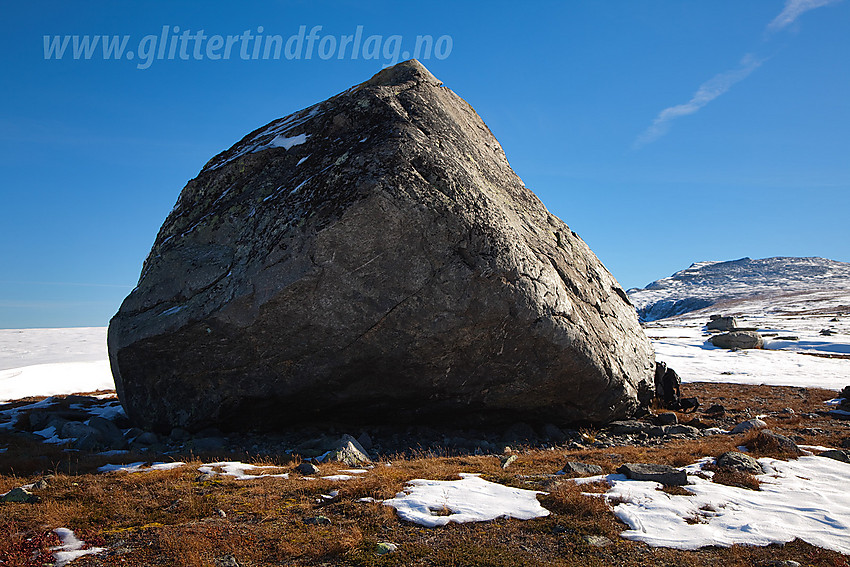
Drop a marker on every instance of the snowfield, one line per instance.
(46, 362)
(795, 353)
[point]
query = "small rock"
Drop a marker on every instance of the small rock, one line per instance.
(627, 427)
(365, 441)
(221, 513)
(598, 541)
(385, 547)
(205, 477)
(663, 474)
(77, 429)
(306, 468)
(554, 433)
(827, 332)
(112, 437)
(837, 454)
(788, 411)
(519, 433)
(146, 438)
(41, 484)
(681, 429)
(719, 323)
(846, 443)
(667, 418)
(317, 521)
(781, 563)
(179, 434)
(582, 469)
(226, 561)
(784, 443)
(736, 461)
(745, 426)
(206, 444)
(21, 495)
(507, 460)
(716, 410)
(347, 450)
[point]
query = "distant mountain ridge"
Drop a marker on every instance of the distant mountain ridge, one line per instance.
(703, 284)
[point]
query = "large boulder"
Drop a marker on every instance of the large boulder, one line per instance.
(738, 339)
(373, 258)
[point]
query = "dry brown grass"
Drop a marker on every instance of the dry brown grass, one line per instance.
(760, 444)
(171, 518)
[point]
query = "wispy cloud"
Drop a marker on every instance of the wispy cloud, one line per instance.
(793, 9)
(721, 83)
(706, 93)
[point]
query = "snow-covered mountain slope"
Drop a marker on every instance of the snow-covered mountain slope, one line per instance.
(706, 284)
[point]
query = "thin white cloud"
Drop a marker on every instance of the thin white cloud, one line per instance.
(793, 9)
(706, 93)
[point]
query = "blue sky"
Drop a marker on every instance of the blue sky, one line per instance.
(663, 132)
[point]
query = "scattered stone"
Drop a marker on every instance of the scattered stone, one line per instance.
(402, 272)
(580, 469)
(720, 323)
(788, 338)
(689, 404)
(771, 438)
(554, 433)
(226, 561)
(317, 521)
(781, 563)
(738, 340)
(21, 495)
(664, 474)
(111, 438)
(745, 426)
(668, 418)
(681, 429)
(628, 427)
(365, 441)
(221, 513)
(737, 461)
(42, 483)
(385, 547)
(845, 443)
(206, 444)
(306, 468)
(77, 429)
(598, 540)
(347, 450)
(507, 460)
(827, 332)
(205, 477)
(147, 438)
(179, 434)
(520, 433)
(837, 454)
(788, 411)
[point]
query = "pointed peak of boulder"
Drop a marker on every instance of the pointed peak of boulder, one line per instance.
(404, 72)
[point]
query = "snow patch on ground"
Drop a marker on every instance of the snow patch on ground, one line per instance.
(71, 548)
(238, 470)
(804, 498)
(140, 467)
(286, 143)
(434, 503)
